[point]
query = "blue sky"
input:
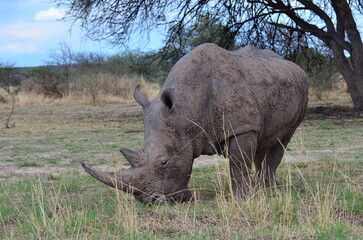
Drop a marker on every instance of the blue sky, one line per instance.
(31, 29)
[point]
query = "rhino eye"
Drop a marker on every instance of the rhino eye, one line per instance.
(164, 162)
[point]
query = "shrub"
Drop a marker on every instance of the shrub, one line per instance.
(47, 82)
(3, 99)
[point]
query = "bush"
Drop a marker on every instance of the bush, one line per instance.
(3, 99)
(90, 84)
(94, 84)
(147, 65)
(30, 85)
(120, 86)
(46, 81)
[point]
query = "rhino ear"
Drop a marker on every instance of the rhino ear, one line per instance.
(168, 98)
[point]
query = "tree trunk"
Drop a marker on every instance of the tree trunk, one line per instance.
(354, 79)
(7, 121)
(355, 87)
(356, 90)
(352, 71)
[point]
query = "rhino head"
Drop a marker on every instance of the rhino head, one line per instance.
(161, 170)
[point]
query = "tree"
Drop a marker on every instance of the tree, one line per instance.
(281, 25)
(206, 28)
(9, 84)
(133, 63)
(333, 23)
(62, 60)
(48, 80)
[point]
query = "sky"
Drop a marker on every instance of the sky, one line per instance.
(31, 29)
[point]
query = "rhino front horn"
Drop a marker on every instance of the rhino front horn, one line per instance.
(111, 179)
(140, 98)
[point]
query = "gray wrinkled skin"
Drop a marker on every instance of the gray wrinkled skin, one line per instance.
(245, 104)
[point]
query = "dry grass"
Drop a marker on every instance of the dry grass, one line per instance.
(338, 92)
(100, 89)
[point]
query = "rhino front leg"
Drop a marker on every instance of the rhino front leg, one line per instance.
(242, 150)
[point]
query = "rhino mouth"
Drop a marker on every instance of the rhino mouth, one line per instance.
(180, 196)
(176, 197)
(151, 198)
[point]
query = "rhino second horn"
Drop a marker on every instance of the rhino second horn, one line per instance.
(140, 98)
(111, 179)
(133, 157)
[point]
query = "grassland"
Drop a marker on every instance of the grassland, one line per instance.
(44, 194)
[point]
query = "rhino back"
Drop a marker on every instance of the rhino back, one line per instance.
(252, 52)
(230, 94)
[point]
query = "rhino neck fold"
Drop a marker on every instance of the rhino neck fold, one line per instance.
(203, 144)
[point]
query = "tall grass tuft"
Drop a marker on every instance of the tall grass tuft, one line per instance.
(126, 215)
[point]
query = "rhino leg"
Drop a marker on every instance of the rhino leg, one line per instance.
(260, 161)
(266, 166)
(242, 150)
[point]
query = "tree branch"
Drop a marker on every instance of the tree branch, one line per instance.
(305, 27)
(322, 14)
(344, 14)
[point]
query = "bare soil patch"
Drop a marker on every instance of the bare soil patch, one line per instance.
(336, 112)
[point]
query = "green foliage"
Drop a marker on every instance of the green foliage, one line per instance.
(131, 64)
(89, 61)
(141, 64)
(318, 66)
(204, 29)
(210, 29)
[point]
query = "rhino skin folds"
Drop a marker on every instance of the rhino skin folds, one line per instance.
(244, 104)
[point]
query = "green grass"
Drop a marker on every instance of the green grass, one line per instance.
(28, 164)
(307, 204)
(319, 198)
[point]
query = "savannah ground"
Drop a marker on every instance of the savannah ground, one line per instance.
(45, 194)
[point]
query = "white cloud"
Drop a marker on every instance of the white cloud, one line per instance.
(19, 48)
(50, 14)
(33, 31)
(31, 38)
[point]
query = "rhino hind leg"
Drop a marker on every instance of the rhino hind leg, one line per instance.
(266, 164)
(241, 152)
(260, 159)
